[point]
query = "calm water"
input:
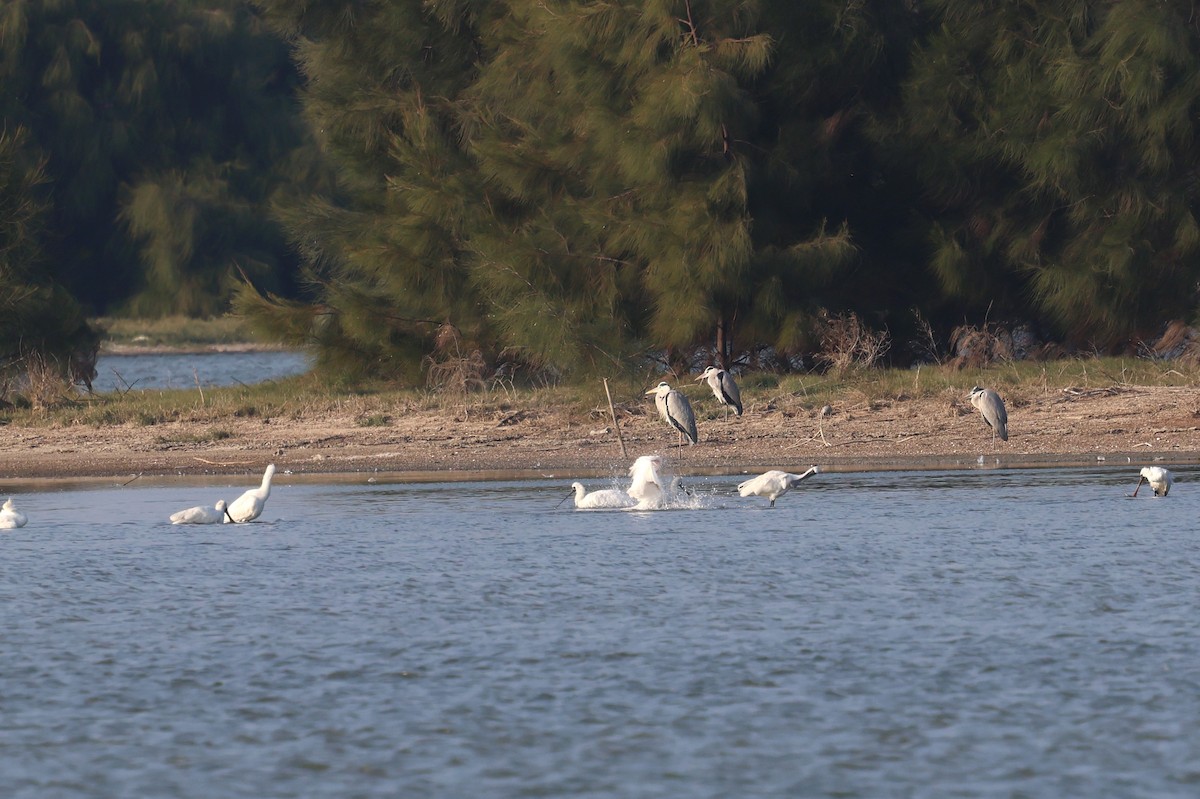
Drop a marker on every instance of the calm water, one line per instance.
(977, 634)
(182, 370)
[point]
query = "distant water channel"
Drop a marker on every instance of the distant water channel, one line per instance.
(973, 634)
(183, 370)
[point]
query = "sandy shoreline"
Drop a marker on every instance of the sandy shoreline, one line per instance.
(1129, 425)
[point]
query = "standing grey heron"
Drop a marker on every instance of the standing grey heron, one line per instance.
(773, 484)
(989, 404)
(1160, 480)
(676, 411)
(723, 388)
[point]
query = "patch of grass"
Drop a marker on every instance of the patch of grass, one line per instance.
(375, 420)
(176, 331)
(378, 403)
(210, 436)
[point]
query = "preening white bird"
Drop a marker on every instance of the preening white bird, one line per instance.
(723, 388)
(773, 484)
(676, 411)
(646, 488)
(201, 514)
(249, 505)
(988, 403)
(10, 517)
(604, 498)
(1160, 480)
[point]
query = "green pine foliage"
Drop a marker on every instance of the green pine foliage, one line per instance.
(1058, 143)
(39, 320)
(168, 128)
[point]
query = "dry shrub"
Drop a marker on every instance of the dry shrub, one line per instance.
(975, 347)
(847, 343)
(1178, 342)
(450, 370)
(43, 383)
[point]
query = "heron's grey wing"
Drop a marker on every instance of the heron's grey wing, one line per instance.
(729, 389)
(999, 414)
(681, 415)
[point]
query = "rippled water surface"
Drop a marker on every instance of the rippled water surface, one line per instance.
(975, 634)
(184, 369)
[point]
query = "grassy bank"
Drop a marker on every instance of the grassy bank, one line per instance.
(375, 404)
(175, 331)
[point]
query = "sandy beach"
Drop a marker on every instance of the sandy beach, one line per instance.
(1100, 426)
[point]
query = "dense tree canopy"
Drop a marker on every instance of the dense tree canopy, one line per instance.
(166, 128)
(573, 183)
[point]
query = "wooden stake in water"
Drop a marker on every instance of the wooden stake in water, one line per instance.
(616, 425)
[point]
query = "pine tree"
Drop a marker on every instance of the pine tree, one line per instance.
(39, 320)
(384, 249)
(1058, 143)
(188, 102)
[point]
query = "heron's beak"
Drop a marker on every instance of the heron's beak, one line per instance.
(652, 391)
(1141, 480)
(698, 379)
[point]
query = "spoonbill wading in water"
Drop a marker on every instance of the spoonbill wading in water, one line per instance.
(249, 506)
(1160, 480)
(604, 498)
(201, 514)
(676, 411)
(10, 517)
(773, 484)
(723, 388)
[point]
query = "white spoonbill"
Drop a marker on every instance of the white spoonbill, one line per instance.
(249, 505)
(773, 484)
(604, 498)
(10, 517)
(201, 514)
(1160, 480)
(723, 388)
(676, 411)
(646, 487)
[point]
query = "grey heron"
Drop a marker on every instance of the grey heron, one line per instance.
(676, 411)
(201, 514)
(989, 404)
(773, 484)
(249, 505)
(1160, 480)
(604, 498)
(10, 517)
(723, 388)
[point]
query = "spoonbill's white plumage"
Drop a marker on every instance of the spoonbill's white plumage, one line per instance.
(1160, 480)
(249, 505)
(676, 411)
(773, 484)
(201, 514)
(723, 388)
(604, 498)
(646, 487)
(10, 517)
(991, 407)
